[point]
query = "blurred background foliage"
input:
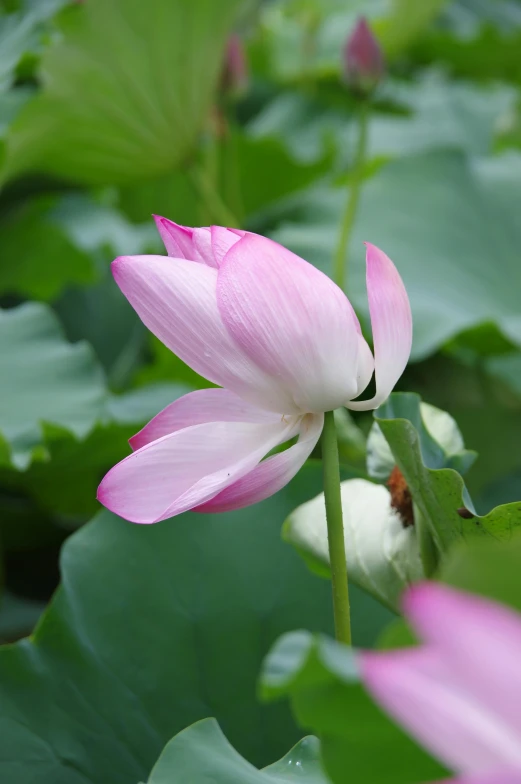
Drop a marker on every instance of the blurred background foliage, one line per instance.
(111, 110)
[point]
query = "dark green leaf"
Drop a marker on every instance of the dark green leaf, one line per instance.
(155, 627)
(487, 568)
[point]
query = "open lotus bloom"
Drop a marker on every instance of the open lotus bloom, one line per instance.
(278, 336)
(459, 693)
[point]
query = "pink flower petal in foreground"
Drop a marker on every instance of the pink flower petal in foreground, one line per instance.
(503, 776)
(460, 692)
(280, 338)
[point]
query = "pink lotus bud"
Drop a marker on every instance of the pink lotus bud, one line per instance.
(235, 72)
(280, 339)
(364, 64)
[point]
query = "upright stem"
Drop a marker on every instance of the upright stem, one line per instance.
(335, 530)
(340, 260)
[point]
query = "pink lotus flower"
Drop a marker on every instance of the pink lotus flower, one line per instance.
(460, 693)
(234, 80)
(280, 338)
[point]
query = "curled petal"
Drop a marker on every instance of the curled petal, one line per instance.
(187, 468)
(291, 320)
(196, 408)
(271, 475)
(391, 322)
(420, 689)
(176, 300)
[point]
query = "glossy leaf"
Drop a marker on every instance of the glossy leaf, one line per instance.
(201, 753)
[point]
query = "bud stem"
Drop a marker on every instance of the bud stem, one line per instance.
(335, 530)
(341, 255)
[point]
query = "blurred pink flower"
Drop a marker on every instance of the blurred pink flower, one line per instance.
(280, 338)
(459, 694)
(235, 73)
(364, 64)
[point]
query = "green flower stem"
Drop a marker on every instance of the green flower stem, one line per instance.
(335, 530)
(341, 256)
(428, 550)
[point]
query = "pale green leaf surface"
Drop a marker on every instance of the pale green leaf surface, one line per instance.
(54, 391)
(201, 753)
(126, 90)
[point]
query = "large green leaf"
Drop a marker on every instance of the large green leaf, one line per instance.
(358, 742)
(425, 113)
(201, 754)
(438, 492)
(46, 381)
(126, 90)
(55, 393)
(155, 627)
(446, 225)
